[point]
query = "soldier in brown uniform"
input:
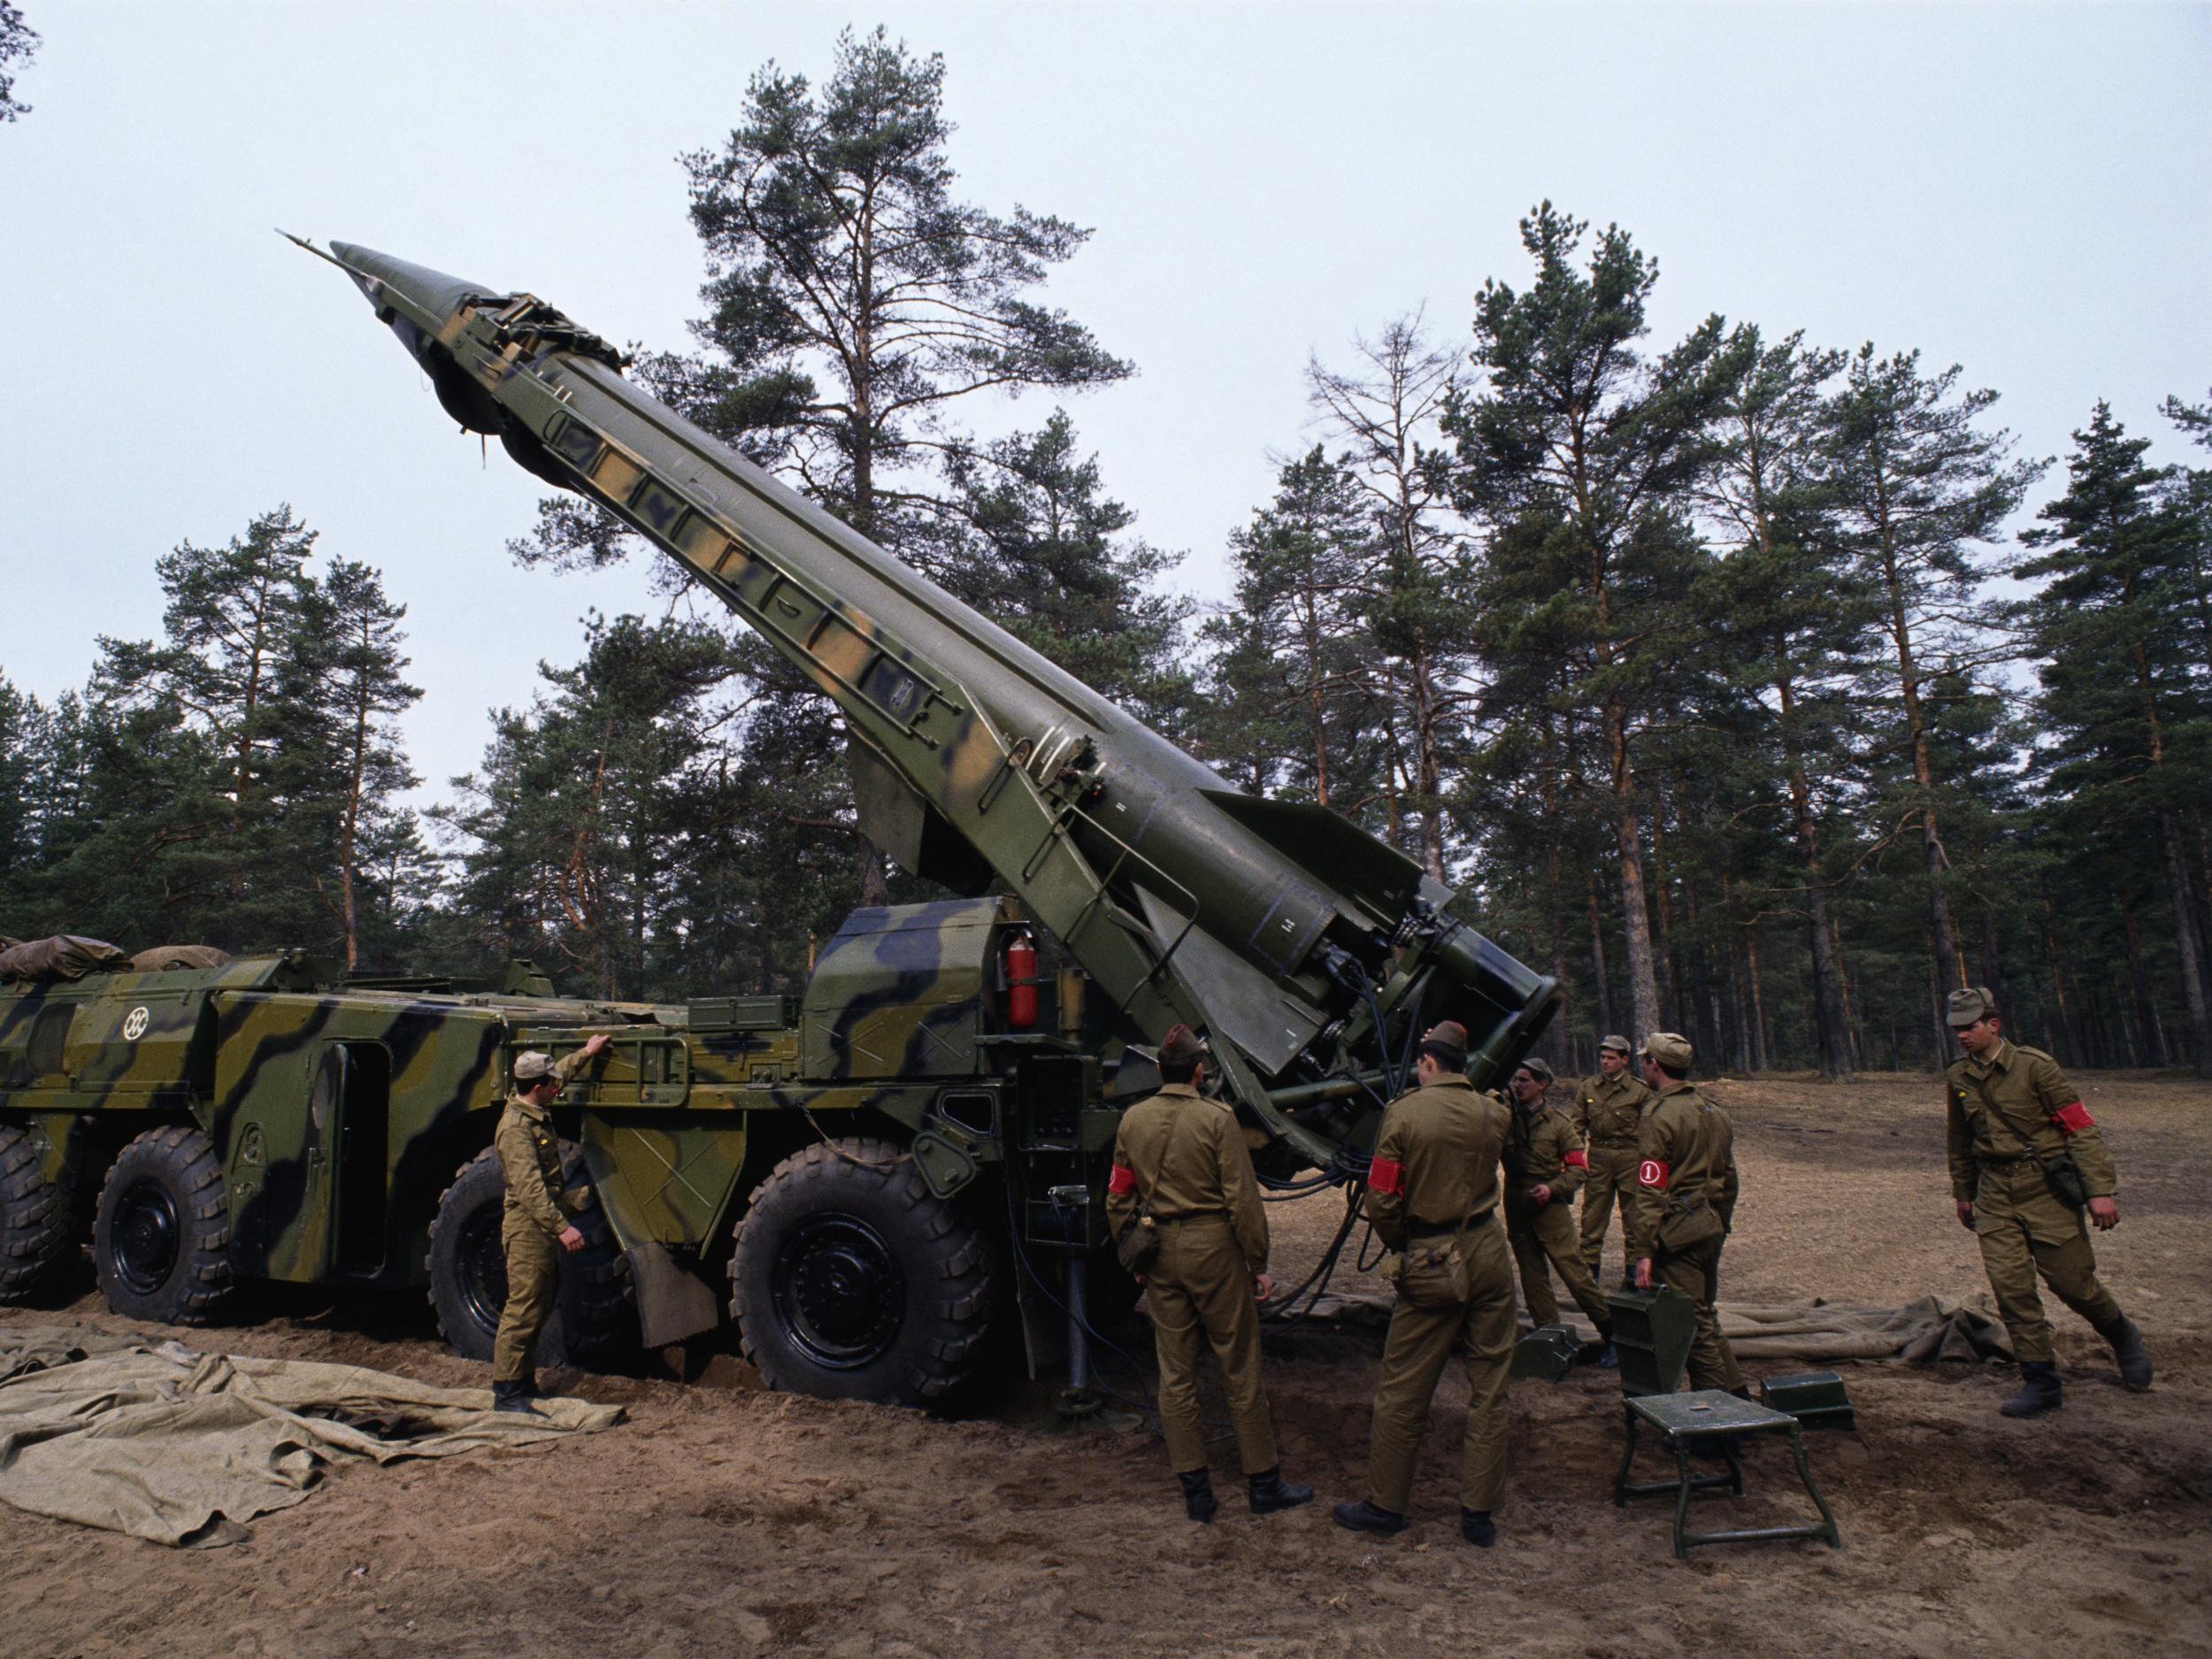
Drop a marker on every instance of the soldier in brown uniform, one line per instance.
(1544, 1164)
(1432, 1189)
(2012, 1116)
(1607, 1108)
(535, 1227)
(1684, 1202)
(1181, 1166)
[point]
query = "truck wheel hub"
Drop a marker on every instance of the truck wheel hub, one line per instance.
(146, 1229)
(839, 1291)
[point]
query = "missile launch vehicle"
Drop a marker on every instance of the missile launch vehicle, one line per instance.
(914, 1153)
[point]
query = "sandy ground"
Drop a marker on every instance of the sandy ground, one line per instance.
(726, 1521)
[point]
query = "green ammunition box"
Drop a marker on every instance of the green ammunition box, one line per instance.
(1815, 1398)
(1651, 1333)
(1547, 1353)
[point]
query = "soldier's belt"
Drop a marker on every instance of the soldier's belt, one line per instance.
(1191, 1215)
(1445, 1229)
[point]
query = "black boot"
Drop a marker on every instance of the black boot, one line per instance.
(1368, 1517)
(1270, 1491)
(2039, 1391)
(1199, 1501)
(1477, 1527)
(2127, 1348)
(1598, 1352)
(513, 1396)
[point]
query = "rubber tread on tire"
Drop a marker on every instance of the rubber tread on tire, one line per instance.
(945, 1321)
(33, 1220)
(178, 1163)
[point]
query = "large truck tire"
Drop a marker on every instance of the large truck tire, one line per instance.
(34, 1221)
(468, 1270)
(851, 1282)
(161, 1235)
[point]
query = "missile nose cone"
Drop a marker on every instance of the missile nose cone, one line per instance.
(433, 293)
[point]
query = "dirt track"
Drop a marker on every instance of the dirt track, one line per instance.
(721, 1521)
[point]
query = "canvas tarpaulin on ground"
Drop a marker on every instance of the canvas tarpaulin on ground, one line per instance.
(181, 1447)
(1929, 1329)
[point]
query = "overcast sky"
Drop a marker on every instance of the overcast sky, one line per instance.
(2023, 189)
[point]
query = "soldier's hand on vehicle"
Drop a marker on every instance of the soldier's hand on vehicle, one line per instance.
(599, 1040)
(1263, 1287)
(1966, 1213)
(1540, 1194)
(1643, 1274)
(2105, 1213)
(572, 1241)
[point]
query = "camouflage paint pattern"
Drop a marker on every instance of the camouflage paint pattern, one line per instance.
(340, 1114)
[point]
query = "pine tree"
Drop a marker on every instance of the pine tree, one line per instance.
(1289, 708)
(2132, 728)
(1915, 485)
(1413, 596)
(1587, 447)
(1792, 618)
(854, 303)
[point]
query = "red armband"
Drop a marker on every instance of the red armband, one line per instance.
(1123, 1179)
(1385, 1176)
(1577, 1159)
(1652, 1173)
(2073, 1117)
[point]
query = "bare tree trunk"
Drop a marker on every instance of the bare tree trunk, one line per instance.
(1597, 963)
(2191, 951)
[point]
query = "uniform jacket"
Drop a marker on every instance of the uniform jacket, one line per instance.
(2003, 1111)
(1542, 1149)
(1608, 1109)
(530, 1158)
(1436, 1159)
(1685, 1155)
(1180, 1154)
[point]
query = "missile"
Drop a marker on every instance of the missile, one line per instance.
(1310, 953)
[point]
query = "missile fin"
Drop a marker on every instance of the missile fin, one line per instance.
(1242, 1004)
(1338, 854)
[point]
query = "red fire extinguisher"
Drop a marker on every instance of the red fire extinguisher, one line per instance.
(1021, 982)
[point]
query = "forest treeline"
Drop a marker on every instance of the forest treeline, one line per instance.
(1708, 667)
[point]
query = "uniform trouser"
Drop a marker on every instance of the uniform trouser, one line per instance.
(1612, 1177)
(1420, 1340)
(534, 1276)
(1543, 1240)
(1199, 1292)
(1695, 1272)
(2025, 1231)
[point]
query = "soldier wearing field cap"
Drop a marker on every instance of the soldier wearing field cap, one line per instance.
(2027, 1164)
(536, 1226)
(1182, 1169)
(1432, 1195)
(1608, 1109)
(1544, 1164)
(1684, 1201)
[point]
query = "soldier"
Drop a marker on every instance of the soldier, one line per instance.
(2014, 1116)
(1607, 1110)
(1181, 1166)
(1431, 1189)
(1684, 1202)
(1544, 1164)
(535, 1227)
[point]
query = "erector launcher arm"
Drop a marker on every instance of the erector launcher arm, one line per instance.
(1310, 953)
